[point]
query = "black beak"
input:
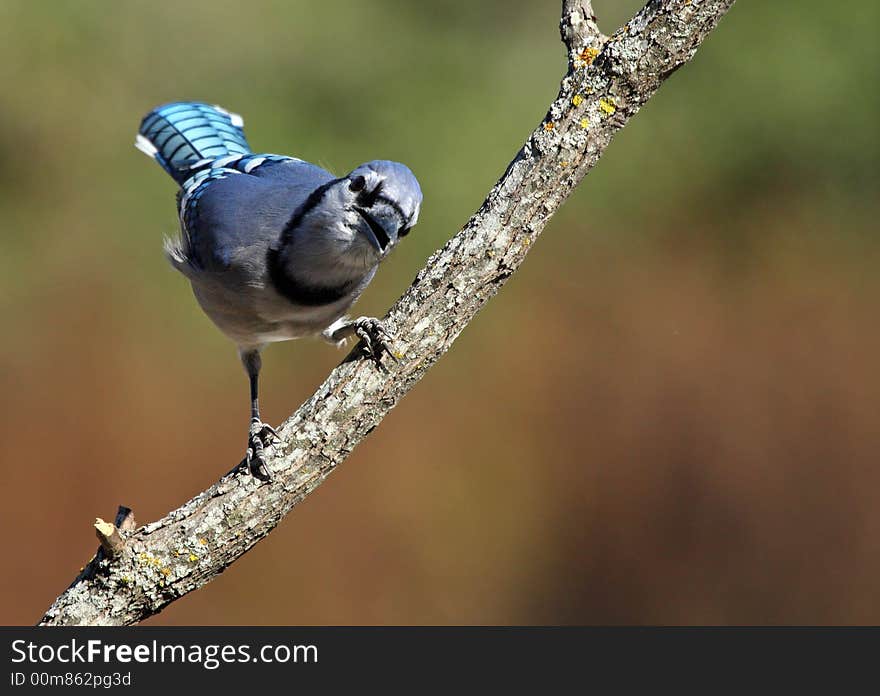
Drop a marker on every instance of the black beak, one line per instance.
(382, 238)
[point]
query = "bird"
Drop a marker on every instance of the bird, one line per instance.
(275, 248)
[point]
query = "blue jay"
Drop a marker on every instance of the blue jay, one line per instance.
(275, 248)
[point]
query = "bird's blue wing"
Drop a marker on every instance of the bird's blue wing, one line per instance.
(243, 204)
(229, 198)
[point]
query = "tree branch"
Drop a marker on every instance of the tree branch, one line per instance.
(608, 80)
(580, 33)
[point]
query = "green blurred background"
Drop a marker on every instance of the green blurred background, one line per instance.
(670, 415)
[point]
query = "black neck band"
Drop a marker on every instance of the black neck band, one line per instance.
(302, 293)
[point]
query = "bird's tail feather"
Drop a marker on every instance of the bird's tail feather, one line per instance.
(183, 134)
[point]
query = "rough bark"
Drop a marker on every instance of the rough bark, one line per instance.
(608, 80)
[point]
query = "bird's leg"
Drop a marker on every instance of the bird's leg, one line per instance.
(371, 331)
(259, 433)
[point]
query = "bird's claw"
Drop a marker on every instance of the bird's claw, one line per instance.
(262, 430)
(259, 437)
(374, 336)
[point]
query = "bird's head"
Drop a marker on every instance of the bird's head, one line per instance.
(385, 199)
(348, 225)
(371, 208)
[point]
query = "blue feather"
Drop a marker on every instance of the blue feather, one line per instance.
(182, 134)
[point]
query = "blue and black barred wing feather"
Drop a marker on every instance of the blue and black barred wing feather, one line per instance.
(200, 145)
(182, 134)
(204, 175)
(231, 209)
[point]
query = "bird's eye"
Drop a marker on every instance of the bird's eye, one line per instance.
(357, 184)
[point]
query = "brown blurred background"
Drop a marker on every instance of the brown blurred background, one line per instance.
(670, 415)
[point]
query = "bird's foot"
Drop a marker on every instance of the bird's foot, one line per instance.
(374, 336)
(260, 437)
